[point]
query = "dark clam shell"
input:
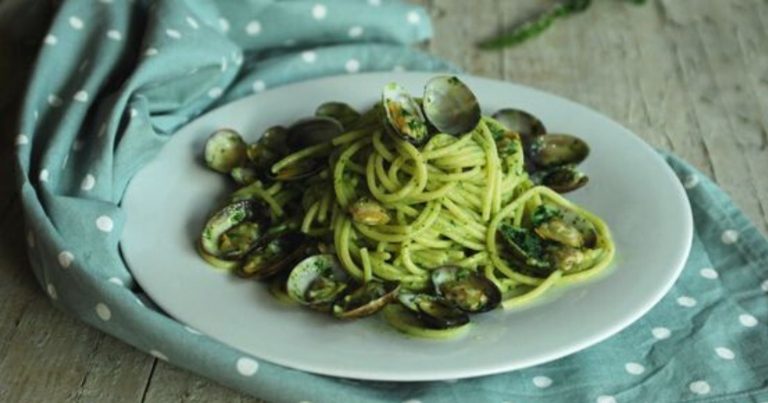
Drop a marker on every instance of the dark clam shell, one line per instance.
(555, 150)
(339, 111)
(466, 289)
(450, 106)
(273, 256)
(521, 122)
(563, 179)
(312, 131)
(366, 300)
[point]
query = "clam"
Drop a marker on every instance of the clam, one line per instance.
(555, 150)
(237, 241)
(450, 105)
(559, 240)
(339, 111)
(466, 289)
(369, 212)
(403, 114)
(563, 179)
(300, 169)
(228, 218)
(260, 156)
(408, 322)
(521, 122)
(559, 231)
(526, 247)
(273, 256)
(366, 300)
(433, 312)
(312, 131)
(317, 281)
(275, 139)
(563, 226)
(566, 258)
(224, 150)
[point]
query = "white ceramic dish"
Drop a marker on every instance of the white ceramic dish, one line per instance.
(631, 188)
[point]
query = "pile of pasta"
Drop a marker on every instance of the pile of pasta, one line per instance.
(446, 201)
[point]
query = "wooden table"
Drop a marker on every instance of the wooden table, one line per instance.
(690, 76)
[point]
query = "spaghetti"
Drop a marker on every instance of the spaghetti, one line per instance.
(392, 211)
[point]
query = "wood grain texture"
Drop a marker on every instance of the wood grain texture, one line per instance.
(689, 76)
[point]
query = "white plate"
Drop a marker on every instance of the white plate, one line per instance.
(630, 187)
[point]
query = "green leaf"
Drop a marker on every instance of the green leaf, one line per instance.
(536, 25)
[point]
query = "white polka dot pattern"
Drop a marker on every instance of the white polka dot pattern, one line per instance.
(81, 96)
(54, 100)
(116, 281)
(708, 273)
(352, 66)
(700, 387)
(542, 381)
(309, 56)
(76, 23)
(319, 11)
(258, 86)
(88, 182)
(686, 301)
(172, 33)
(215, 92)
(253, 28)
(104, 224)
(51, 291)
(748, 320)
(224, 24)
(634, 368)
(247, 366)
(725, 353)
(661, 333)
(65, 259)
(115, 35)
(103, 311)
(356, 31)
(729, 237)
(413, 17)
(691, 181)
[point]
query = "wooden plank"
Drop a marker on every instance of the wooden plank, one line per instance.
(712, 68)
(17, 285)
(171, 384)
(458, 26)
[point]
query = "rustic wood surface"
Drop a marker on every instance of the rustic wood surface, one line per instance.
(690, 76)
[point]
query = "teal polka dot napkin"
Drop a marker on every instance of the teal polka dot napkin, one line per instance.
(114, 79)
